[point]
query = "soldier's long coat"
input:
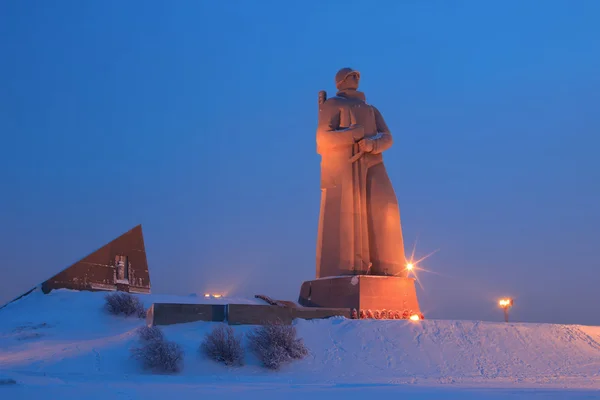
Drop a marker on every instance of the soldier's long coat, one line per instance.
(359, 222)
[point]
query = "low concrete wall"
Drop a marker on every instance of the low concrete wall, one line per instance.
(168, 314)
(250, 314)
(236, 314)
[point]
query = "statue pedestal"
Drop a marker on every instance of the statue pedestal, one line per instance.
(369, 295)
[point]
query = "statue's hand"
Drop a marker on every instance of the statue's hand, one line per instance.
(366, 145)
(358, 132)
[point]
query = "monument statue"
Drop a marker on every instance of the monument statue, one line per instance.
(359, 224)
(360, 251)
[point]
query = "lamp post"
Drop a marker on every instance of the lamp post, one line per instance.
(505, 304)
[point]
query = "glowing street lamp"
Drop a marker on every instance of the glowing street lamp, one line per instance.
(505, 304)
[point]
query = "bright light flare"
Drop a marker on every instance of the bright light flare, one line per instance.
(415, 317)
(413, 265)
(207, 295)
(216, 296)
(505, 303)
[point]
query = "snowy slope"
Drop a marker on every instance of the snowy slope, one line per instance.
(66, 337)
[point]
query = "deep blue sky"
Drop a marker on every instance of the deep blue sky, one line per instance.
(197, 119)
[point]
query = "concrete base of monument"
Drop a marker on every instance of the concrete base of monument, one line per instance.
(380, 297)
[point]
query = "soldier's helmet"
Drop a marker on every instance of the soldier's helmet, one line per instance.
(342, 74)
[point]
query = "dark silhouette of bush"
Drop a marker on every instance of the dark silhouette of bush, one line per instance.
(157, 354)
(121, 303)
(223, 346)
(276, 344)
(149, 333)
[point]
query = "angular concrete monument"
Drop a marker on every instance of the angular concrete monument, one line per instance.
(360, 250)
(118, 265)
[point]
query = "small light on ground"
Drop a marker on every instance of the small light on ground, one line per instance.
(414, 317)
(216, 296)
(207, 295)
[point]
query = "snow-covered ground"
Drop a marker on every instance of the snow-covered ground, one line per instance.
(63, 345)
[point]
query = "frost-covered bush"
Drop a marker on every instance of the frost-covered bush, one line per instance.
(124, 303)
(276, 344)
(7, 381)
(157, 354)
(150, 333)
(222, 345)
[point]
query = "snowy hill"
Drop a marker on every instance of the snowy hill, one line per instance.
(56, 341)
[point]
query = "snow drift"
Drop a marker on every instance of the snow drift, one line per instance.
(69, 333)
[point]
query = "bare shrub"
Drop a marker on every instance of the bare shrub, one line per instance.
(150, 333)
(276, 344)
(222, 345)
(156, 353)
(121, 303)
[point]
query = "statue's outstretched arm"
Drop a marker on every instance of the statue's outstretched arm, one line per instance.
(336, 129)
(383, 140)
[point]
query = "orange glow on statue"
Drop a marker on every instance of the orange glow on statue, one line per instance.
(359, 225)
(360, 248)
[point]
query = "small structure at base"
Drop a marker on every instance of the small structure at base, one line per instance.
(173, 313)
(236, 314)
(119, 265)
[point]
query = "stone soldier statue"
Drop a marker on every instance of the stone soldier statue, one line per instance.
(359, 222)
